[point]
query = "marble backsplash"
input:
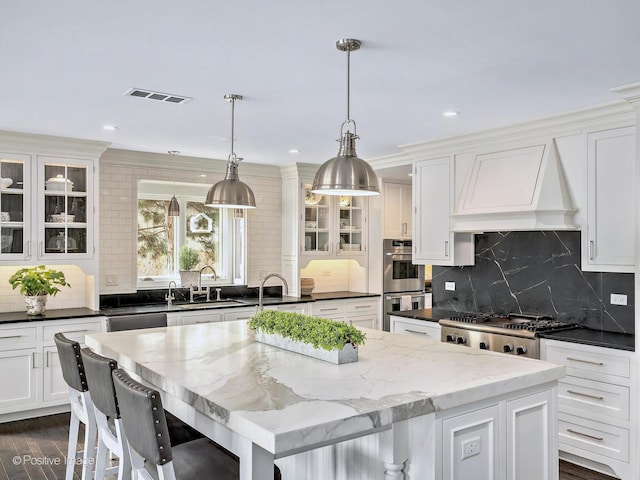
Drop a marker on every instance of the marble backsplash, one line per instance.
(537, 273)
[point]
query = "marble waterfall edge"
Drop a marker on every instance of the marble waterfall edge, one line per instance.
(347, 354)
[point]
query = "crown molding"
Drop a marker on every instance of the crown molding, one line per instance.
(196, 164)
(51, 145)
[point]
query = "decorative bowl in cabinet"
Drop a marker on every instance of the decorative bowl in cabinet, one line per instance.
(5, 182)
(61, 218)
(59, 183)
(5, 217)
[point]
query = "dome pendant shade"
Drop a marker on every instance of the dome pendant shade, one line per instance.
(346, 173)
(231, 192)
(174, 207)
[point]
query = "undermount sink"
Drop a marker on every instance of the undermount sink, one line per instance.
(196, 306)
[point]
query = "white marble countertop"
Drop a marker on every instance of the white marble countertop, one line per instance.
(283, 401)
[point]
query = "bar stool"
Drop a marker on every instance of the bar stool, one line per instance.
(81, 407)
(148, 437)
(103, 394)
(132, 322)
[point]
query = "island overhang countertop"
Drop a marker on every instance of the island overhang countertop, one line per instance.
(285, 402)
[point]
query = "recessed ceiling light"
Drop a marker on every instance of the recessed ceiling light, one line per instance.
(203, 175)
(450, 113)
(109, 127)
(294, 150)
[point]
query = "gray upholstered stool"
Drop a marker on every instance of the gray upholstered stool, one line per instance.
(133, 322)
(81, 407)
(148, 437)
(111, 436)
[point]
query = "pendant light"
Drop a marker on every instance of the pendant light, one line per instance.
(231, 192)
(346, 174)
(174, 207)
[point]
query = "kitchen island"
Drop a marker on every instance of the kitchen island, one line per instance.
(409, 408)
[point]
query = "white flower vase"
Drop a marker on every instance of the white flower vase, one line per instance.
(36, 305)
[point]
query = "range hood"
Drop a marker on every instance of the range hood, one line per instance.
(515, 189)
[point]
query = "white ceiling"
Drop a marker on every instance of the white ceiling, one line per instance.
(65, 65)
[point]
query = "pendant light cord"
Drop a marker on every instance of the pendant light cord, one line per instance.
(348, 85)
(232, 156)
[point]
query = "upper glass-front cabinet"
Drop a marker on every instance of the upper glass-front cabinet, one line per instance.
(333, 225)
(14, 213)
(66, 207)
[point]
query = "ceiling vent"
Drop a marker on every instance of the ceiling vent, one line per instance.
(161, 97)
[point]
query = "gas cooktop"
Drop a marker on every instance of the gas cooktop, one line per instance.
(512, 324)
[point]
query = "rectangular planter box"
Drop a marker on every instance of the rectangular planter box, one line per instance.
(347, 354)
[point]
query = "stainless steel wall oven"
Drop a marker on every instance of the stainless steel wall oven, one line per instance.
(403, 282)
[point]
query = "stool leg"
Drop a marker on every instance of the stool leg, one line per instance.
(90, 438)
(74, 425)
(102, 454)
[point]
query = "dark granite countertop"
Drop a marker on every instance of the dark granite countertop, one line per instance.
(233, 303)
(426, 314)
(58, 314)
(598, 338)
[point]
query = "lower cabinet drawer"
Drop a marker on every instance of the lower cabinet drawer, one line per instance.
(594, 437)
(425, 331)
(73, 331)
(591, 399)
(11, 338)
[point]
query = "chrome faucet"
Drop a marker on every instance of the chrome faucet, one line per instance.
(169, 297)
(200, 290)
(261, 290)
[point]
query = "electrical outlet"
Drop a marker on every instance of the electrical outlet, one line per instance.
(111, 280)
(470, 447)
(326, 273)
(450, 286)
(618, 299)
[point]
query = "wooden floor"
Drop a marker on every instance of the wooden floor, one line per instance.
(35, 449)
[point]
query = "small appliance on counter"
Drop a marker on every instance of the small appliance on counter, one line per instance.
(403, 282)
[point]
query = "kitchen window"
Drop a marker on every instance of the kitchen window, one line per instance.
(217, 234)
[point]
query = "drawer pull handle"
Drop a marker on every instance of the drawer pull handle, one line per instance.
(596, 397)
(75, 331)
(415, 331)
(585, 361)
(10, 336)
(328, 309)
(203, 321)
(585, 435)
(363, 306)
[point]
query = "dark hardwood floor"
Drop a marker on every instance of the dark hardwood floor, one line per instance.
(35, 449)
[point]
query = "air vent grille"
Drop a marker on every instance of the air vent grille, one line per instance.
(161, 97)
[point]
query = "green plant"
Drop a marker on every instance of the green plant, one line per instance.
(34, 281)
(189, 257)
(319, 332)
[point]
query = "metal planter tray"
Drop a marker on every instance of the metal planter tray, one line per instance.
(347, 354)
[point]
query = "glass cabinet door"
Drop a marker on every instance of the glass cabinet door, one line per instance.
(14, 217)
(351, 224)
(65, 208)
(317, 222)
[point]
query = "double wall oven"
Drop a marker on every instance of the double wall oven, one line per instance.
(403, 282)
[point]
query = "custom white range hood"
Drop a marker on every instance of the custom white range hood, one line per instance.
(515, 189)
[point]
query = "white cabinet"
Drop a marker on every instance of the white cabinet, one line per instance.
(596, 405)
(397, 213)
(48, 199)
(30, 368)
(241, 313)
(207, 316)
(417, 328)
(608, 241)
(333, 226)
(361, 312)
(513, 435)
(434, 200)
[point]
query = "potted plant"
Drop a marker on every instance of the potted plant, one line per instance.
(188, 259)
(36, 284)
(321, 338)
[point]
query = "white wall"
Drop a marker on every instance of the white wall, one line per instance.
(120, 171)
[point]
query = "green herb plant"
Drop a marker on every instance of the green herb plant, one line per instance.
(319, 332)
(189, 258)
(35, 281)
